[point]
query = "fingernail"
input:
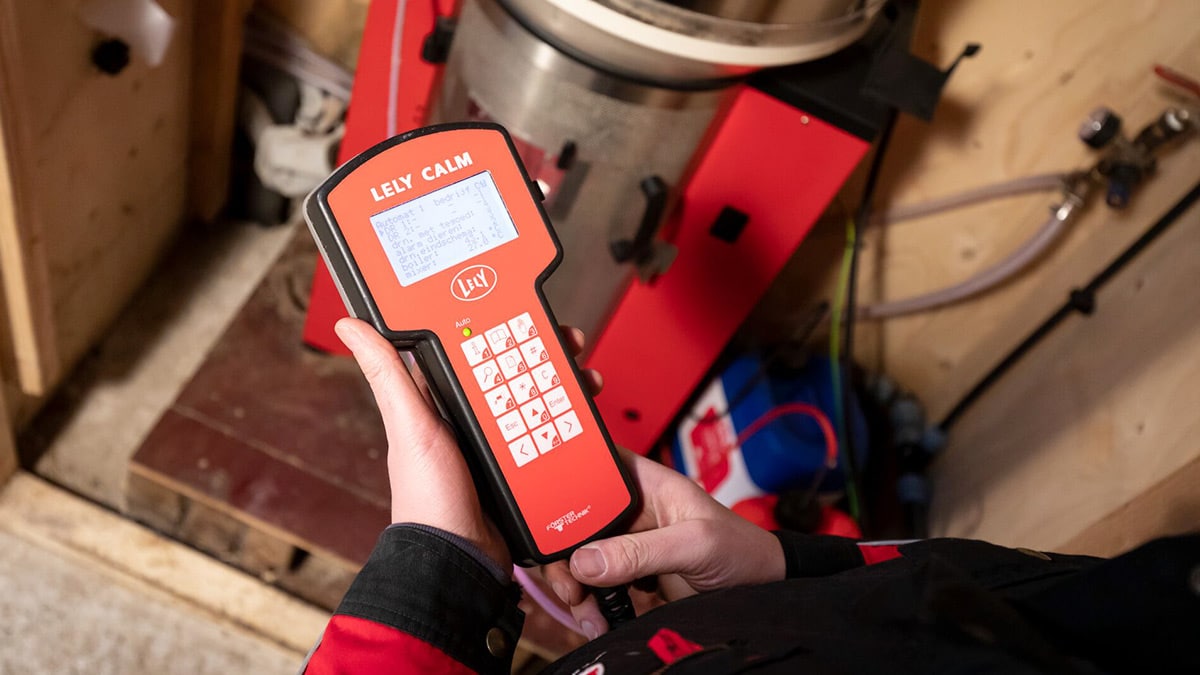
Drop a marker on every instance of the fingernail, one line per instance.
(560, 591)
(589, 629)
(589, 562)
(345, 333)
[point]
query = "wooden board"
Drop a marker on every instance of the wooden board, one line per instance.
(58, 521)
(218, 33)
(13, 288)
(98, 176)
(1099, 413)
(1012, 111)
(1102, 414)
(1171, 507)
(273, 456)
(8, 448)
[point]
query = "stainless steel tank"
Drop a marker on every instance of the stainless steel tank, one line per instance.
(608, 100)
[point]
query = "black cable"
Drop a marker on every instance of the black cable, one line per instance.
(615, 605)
(853, 473)
(765, 364)
(1082, 300)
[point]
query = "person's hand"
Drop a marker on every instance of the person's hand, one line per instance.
(429, 478)
(682, 536)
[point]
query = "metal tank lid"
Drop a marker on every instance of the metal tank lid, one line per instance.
(689, 42)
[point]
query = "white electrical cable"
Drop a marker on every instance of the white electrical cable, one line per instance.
(393, 113)
(1029, 251)
(297, 69)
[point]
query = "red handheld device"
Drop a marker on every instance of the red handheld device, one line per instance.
(437, 238)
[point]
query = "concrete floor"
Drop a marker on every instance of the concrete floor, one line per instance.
(83, 589)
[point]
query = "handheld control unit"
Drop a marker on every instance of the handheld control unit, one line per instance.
(437, 238)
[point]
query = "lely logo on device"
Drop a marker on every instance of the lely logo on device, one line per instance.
(473, 283)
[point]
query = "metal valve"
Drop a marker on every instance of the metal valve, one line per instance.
(1101, 126)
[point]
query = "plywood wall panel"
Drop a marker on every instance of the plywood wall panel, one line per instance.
(1099, 413)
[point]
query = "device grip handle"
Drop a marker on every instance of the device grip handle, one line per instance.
(638, 250)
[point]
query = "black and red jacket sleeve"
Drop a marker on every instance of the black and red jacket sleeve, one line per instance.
(421, 604)
(816, 555)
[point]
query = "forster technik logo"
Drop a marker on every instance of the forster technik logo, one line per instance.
(568, 518)
(473, 283)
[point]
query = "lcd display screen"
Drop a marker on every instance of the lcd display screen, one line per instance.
(441, 229)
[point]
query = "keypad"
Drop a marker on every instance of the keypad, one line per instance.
(512, 363)
(523, 389)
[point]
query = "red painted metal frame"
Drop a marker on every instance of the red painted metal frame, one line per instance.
(367, 122)
(781, 167)
(769, 160)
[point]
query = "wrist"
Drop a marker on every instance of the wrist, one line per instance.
(499, 570)
(421, 583)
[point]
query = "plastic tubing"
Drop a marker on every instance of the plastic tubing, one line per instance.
(993, 276)
(552, 608)
(1036, 183)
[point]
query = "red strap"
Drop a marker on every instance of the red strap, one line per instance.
(877, 553)
(670, 646)
(357, 646)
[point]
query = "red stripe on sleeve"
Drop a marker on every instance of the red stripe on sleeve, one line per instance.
(877, 553)
(670, 646)
(354, 646)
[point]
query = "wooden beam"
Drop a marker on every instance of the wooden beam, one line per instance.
(58, 521)
(8, 447)
(1169, 508)
(96, 182)
(218, 34)
(22, 248)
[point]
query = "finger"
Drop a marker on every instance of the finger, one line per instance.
(675, 549)
(400, 402)
(574, 339)
(593, 380)
(587, 614)
(565, 586)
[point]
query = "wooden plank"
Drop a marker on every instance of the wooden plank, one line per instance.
(22, 256)
(1012, 111)
(283, 437)
(218, 31)
(146, 358)
(98, 175)
(8, 448)
(223, 472)
(57, 520)
(274, 451)
(225, 535)
(1171, 507)
(154, 504)
(1101, 413)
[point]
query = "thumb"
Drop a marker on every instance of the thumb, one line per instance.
(675, 549)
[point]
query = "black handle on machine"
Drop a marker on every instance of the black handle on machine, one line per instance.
(637, 250)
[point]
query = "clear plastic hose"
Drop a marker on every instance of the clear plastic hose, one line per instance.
(1036, 183)
(993, 276)
(556, 611)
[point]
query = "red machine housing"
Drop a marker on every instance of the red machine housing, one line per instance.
(778, 168)
(767, 174)
(394, 33)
